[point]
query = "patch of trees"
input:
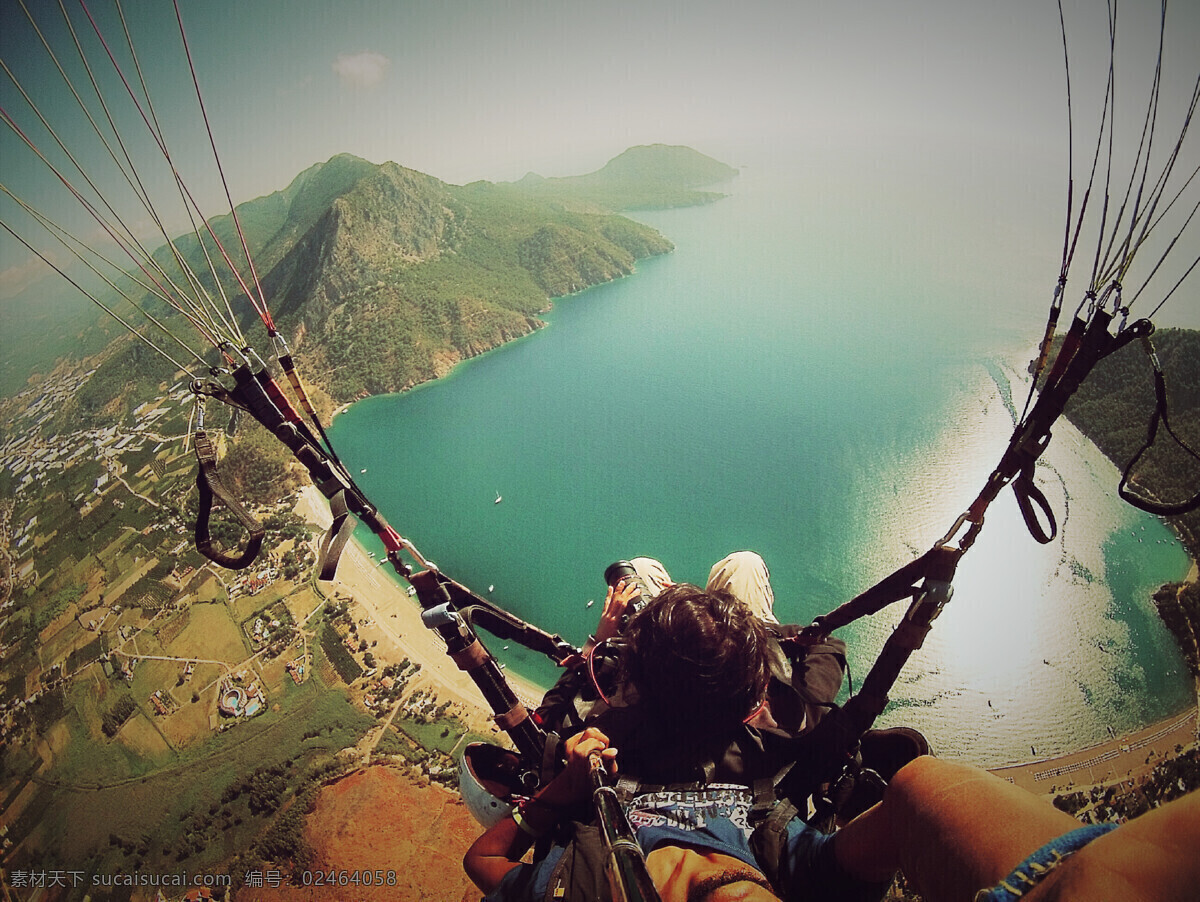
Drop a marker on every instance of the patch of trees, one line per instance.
(90, 652)
(296, 560)
(339, 657)
(115, 717)
(47, 709)
(57, 603)
(284, 840)
(1179, 608)
(264, 789)
(258, 466)
(284, 524)
(1113, 408)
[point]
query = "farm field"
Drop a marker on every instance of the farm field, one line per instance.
(413, 833)
(210, 633)
(99, 789)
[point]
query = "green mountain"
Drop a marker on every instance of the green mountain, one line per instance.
(403, 276)
(274, 223)
(645, 177)
(381, 277)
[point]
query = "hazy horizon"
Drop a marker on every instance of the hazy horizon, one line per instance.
(950, 106)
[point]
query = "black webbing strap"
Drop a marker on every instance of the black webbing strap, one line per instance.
(1085, 345)
(769, 841)
(208, 481)
(337, 536)
(258, 394)
(822, 753)
(1159, 508)
(439, 597)
(902, 583)
(1028, 495)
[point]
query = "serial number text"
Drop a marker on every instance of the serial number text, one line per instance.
(347, 878)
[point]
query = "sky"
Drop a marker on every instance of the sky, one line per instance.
(475, 89)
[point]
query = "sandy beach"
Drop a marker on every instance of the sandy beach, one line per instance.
(396, 624)
(1121, 758)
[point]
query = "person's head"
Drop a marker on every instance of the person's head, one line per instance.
(699, 661)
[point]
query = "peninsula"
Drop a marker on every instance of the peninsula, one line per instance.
(158, 714)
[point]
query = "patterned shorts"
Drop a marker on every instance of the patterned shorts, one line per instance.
(1030, 872)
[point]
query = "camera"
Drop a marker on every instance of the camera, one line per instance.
(623, 570)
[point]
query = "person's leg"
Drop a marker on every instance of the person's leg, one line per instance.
(653, 574)
(951, 828)
(1151, 858)
(744, 575)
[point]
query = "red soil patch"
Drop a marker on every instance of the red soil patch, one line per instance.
(379, 819)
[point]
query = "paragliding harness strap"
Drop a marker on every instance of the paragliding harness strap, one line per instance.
(334, 542)
(769, 839)
(825, 763)
(828, 753)
(1161, 509)
(210, 485)
(258, 395)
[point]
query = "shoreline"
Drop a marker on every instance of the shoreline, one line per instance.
(1115, 760)
(397, 621)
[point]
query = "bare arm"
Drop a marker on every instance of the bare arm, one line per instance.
(501, 847)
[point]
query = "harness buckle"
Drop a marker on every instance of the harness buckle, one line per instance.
(936, 592)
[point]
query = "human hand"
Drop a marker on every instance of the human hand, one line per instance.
(572, 782)
(615, 603)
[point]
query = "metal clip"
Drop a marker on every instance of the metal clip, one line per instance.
(1151, 353)
(1090, 300)
(281, 345)
(936, 592)
(969, 536)
(200, 406)
(1124, 311)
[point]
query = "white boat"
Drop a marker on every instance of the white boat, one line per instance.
(591, 601)
(491, 588)
(363, 470)
(498, 498)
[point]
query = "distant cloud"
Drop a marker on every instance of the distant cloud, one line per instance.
(361, 70)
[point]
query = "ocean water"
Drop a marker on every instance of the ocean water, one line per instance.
(823, 377)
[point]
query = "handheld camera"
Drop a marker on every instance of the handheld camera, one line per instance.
(623, 570)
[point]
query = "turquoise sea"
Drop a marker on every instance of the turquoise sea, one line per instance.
(824, 377)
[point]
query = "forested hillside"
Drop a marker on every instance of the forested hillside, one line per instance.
(381, 277)
(1114, 406)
